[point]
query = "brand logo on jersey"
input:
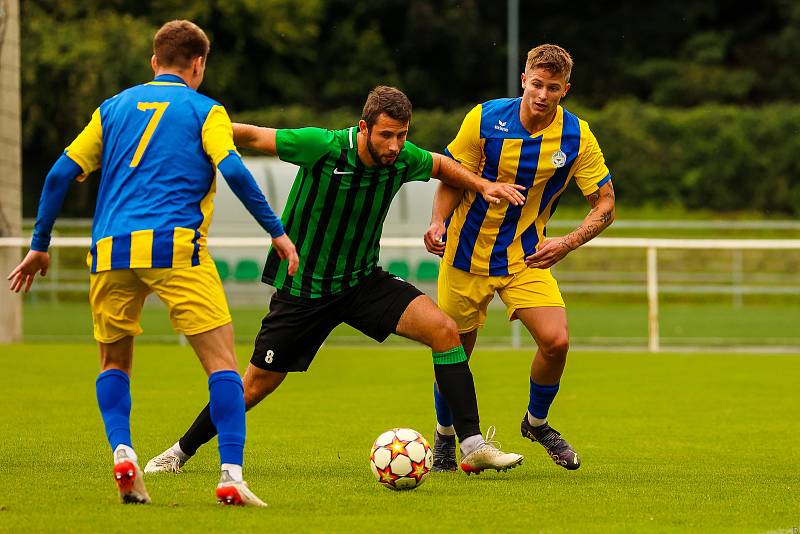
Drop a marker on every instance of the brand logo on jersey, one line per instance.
(337, 171)
(559, 159)
(270, 356)
(501, 126)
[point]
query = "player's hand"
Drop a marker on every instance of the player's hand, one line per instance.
(22, 276)
(433, 238)
(286, 251)
(493, 193)
(551, 252)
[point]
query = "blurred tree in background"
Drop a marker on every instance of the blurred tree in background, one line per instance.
(707, 88)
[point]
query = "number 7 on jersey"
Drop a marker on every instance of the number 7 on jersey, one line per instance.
(159, 108)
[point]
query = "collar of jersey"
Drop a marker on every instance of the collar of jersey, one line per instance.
(557, 120)
(170, 79)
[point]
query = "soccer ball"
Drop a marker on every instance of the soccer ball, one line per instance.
(401, 458)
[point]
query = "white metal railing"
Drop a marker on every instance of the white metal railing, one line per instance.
(649, 245)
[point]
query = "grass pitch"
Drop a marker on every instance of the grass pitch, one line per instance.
(700, 442)
(592, 323)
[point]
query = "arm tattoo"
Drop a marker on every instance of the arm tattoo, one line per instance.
(600, 216)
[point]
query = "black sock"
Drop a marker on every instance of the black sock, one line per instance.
(455, 383)
(200, 433)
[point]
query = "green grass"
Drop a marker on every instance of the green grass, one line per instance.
(593, 321)
(670, 443)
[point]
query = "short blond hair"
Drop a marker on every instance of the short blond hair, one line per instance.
(550, 57)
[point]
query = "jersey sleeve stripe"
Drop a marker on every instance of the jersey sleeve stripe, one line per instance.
(217, 135)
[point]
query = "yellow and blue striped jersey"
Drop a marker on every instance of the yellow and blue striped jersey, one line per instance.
(492, 142)
(158, 145)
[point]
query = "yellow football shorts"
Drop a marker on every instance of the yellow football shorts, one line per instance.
(465, 296)
(193, 295)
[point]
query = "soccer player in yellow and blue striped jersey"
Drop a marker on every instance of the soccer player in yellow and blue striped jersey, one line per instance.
(159, 146)
(488, 249)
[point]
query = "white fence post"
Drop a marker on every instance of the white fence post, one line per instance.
(515, 340)
(652, 300)
(737, 276)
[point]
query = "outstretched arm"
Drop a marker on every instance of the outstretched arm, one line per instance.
(246, 190)
(445, 201)
(455, 175)
(55, 190)
(598, 219)
(255, 137)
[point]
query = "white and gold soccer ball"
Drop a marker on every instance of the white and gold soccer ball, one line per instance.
(401, 458)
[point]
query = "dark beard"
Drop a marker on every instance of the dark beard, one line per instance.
(374, 153)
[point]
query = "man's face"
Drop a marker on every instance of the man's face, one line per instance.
(542, 91)
(385, 139)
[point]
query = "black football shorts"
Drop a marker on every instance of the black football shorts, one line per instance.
(295, 328)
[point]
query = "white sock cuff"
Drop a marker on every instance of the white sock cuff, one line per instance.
(128, 451)
(179, 452)
(535, 421)
(446, 430)
(470, 444)
(235, 471)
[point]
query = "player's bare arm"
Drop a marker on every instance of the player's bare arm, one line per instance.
(445, 201)
(454, 174)
(255, 137)
(598, 219)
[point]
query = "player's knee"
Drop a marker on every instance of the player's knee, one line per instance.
(556, 347)
(446, 330)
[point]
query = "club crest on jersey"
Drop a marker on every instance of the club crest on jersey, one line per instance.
(559, 159)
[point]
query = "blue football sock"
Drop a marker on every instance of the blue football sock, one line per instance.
(114, 399)
(443, 414)
(541, 398)
(227, 413)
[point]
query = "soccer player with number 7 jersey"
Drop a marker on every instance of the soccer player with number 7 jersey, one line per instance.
(158, 146)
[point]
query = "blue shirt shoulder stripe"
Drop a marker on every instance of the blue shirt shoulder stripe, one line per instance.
(500, 118)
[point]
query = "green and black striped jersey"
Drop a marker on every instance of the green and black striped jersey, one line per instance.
(336, 209)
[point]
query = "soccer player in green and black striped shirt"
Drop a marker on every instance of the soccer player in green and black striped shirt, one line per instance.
(334, 215)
